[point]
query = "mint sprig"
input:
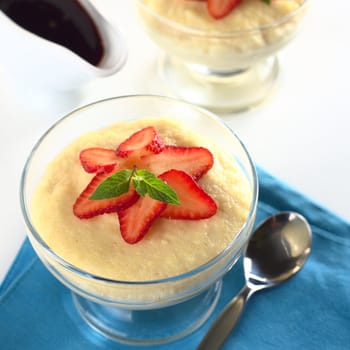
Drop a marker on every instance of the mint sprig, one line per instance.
(267, 1)
(143, 181)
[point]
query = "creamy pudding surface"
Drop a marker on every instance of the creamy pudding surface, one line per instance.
(171, 247)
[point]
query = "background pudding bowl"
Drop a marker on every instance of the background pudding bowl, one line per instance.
(219, 64)
(138, 311)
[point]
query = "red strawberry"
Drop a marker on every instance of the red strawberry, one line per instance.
(195, 204)
(195, 161)
(221, 8)
(136, 220)
(145, 141)
(85, 208)
(98, 159)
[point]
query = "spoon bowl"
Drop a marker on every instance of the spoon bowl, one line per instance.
(277, 250)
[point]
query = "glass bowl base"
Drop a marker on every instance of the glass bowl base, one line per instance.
(220, 91)
(151, 326)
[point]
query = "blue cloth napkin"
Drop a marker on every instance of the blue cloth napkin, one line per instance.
(309, 311)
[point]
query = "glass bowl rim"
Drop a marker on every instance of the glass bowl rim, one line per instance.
(221, 34)
(62, 262)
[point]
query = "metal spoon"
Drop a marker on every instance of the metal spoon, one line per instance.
(276, 251)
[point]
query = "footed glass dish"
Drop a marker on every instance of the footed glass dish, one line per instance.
(208, 63)
(144, 312)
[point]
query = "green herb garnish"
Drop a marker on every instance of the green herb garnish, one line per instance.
(143, 181)
(267, 1)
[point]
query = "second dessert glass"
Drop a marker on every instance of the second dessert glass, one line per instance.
(153, 311)
(223, 70)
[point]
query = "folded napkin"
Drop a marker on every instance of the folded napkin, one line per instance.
(309, 311)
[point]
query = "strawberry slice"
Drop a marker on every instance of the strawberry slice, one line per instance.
(98, 159)
(195, 203)
(136, 220)
(221, 8)
(145, 141)
(85, 208)
(195, 161)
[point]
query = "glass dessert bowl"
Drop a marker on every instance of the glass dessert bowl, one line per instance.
(138, 293)
(226, 64)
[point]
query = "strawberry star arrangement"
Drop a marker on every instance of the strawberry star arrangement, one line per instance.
(143, 180)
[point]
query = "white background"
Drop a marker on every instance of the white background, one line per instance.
(301, 134)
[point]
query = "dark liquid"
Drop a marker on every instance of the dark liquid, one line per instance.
(63, 22)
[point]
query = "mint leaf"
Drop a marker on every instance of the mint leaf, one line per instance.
(143, 181)
(147, 183)
(114, 186)
(267, 1)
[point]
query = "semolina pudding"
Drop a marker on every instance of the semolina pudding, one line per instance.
(252, 29)
(171, 246)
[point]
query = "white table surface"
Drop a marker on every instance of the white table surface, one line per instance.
(301, 134)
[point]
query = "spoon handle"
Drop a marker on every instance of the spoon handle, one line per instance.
(225, 322)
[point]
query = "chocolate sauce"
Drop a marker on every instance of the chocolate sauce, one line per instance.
(64, 22)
